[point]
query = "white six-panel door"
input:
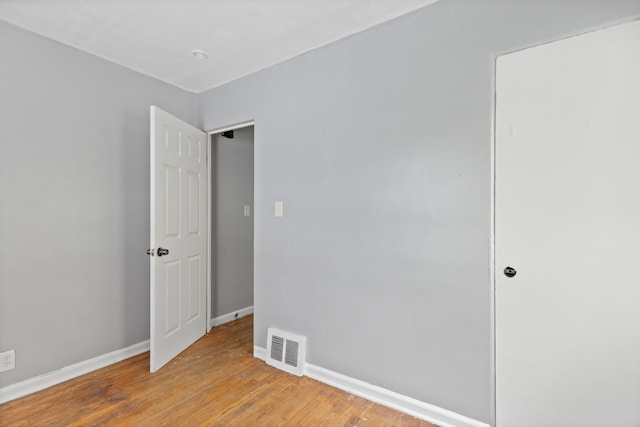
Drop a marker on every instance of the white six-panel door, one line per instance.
(567, 220)
(178, 225)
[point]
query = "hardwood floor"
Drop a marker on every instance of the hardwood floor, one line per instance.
(216, 382)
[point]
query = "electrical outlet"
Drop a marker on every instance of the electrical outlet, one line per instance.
(7, 360)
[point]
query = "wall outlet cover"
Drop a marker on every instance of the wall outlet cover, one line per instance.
(7, 360)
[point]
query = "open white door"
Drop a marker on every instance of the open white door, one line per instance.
(567, 232)
(178, 236)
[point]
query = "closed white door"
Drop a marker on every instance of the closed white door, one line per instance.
(178, 236)
(567, 221)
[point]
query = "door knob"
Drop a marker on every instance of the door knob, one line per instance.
(162, 251)
(510, 271)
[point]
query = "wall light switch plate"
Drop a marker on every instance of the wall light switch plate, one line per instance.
(247, 210)
(279, 209)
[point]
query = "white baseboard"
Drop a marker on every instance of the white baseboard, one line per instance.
(230, 317)
(260, 353)
(425, 411)
(49, 379)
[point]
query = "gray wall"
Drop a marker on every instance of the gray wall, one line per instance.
(233, 235)
(74, 202)
(380, 147)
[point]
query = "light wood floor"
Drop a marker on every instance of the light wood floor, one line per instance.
(216, 382)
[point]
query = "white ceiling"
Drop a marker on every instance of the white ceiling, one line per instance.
(156, 37)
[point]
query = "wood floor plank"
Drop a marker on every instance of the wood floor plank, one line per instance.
(216, 382)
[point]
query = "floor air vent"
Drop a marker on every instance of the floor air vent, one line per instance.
(286, 351)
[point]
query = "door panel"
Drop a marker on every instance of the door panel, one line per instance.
(567, 218)
(172, 201)
(194, 287)
(178, 213)
(194, 203)
(171, 297)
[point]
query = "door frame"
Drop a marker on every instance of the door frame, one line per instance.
(210, 134)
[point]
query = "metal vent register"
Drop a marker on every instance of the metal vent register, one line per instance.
(286, 351)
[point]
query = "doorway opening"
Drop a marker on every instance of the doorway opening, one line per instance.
(231, 220)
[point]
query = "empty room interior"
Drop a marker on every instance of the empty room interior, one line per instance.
(429, 206)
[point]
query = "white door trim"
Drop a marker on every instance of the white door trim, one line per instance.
(239, 125)
(492, 250)
(210, 134)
